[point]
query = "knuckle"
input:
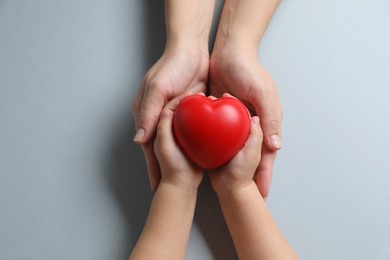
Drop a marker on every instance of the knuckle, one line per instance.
(268, 85)
(144, 115)
(155, 85)
(137, 101)
(272, 122)
(165, 112)
(135, 107)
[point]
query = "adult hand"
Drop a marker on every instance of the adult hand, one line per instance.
(236, 70)
(178, 71)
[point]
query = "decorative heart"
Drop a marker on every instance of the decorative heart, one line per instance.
(211, 132)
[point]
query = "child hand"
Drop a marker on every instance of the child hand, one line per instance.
(238, 173)
(176, 168)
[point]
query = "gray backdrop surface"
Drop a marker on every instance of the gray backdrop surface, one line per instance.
(74, 186)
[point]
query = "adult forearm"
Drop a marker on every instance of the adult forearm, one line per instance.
(167, 229)
(188, 21)
(244, 22)
(253, 230)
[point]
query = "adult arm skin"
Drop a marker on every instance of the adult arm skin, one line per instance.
(235, 69)
(183, 67)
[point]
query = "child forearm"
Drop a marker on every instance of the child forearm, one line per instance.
(167, 229)
(253, 230)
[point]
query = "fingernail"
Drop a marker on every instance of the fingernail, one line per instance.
(255, 120)
(275, 142)
(139, 135)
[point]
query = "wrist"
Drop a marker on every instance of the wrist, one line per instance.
(188, 22)
(181, 186)
(234, 46)
(232, 190)
(188, 45)
(236, 43)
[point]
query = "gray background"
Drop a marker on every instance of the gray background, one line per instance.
(74, 186)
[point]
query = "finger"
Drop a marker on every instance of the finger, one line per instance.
(228, 95)
(171, 105)
(200, 87)
(137, 102)
(252, 146)
(152, 165)
(268, 107)
(271, 125)
(164, 129)
(148, 114)
(263, 175)
(212, 97)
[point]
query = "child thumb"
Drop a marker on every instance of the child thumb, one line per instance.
(164, 128)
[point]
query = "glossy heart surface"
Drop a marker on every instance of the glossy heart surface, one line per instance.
(211, 132)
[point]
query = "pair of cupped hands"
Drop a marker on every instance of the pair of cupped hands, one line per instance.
(182, 70)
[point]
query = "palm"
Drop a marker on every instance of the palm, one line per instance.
(239, 77)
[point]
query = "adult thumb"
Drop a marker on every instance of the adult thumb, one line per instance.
(147, 116)
(271, 126)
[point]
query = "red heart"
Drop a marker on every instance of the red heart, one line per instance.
(211, 132)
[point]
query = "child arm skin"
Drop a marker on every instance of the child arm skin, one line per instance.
(250, 223)
(167, 229)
